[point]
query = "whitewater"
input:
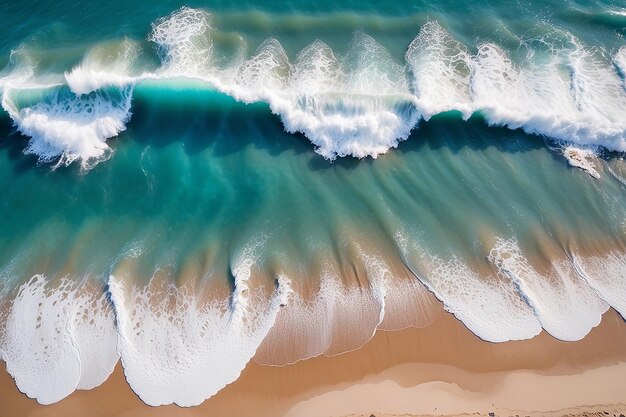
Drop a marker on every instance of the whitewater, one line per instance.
(360, 104)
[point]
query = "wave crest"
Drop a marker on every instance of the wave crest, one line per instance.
(360, 104)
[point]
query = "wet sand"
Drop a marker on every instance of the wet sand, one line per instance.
(441, 369)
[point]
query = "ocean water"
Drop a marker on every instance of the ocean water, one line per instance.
(190, 186)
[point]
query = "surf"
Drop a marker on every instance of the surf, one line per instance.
(359, 104)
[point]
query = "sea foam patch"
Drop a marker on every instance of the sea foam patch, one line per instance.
(607, 276)
(176, 347)
(59, 337)
(488, 305)
(564, 304)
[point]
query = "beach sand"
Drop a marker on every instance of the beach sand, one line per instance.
(441, 369)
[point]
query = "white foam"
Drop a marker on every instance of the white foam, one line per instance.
(103, 68)
(564, 304)
(361, 104)
(588, 108)
(599, 97)
(607, 275)
(357, 127)
(620, 62)
(581, 158)
(58, 339)
(358, 105)
(368, 111)
(61, 126)
(488, 305)
(184, 41)
(178, 348)
(329, 99)
(95, 338)
(265, 72)
(530, 98)
(67, 128)
(83, 80)
(440, 68)
(316, 70)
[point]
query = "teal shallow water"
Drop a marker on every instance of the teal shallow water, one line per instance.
(199, 170)
(411, 151)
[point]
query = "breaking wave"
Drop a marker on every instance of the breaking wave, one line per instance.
(359, 104)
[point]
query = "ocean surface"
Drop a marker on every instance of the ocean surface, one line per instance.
(188, 186)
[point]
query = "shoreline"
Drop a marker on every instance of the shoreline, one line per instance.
(441, 369)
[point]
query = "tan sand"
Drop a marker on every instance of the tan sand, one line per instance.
(442, 369)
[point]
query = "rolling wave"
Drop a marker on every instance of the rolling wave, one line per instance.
(360, 104)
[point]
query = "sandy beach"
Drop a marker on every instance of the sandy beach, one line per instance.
(442, 369)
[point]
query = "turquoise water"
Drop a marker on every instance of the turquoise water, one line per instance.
(189, 186)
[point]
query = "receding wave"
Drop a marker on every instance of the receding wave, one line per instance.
(182, 343)
(360, 104)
